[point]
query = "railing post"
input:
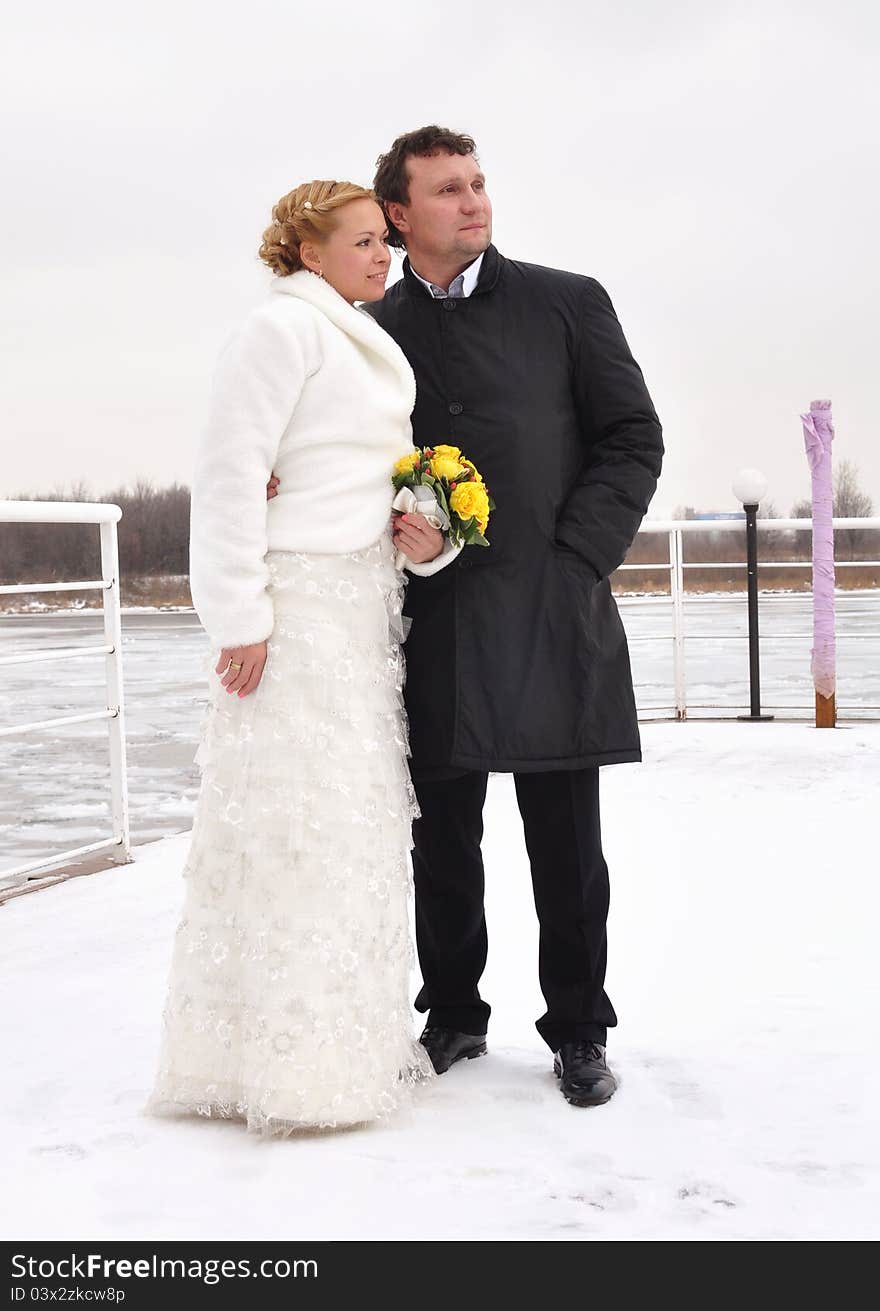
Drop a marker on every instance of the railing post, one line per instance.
(115, 699)
(676, 586)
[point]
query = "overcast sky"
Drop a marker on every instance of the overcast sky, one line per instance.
(714, 165)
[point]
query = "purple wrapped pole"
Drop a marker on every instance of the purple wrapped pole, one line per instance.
(818, 436)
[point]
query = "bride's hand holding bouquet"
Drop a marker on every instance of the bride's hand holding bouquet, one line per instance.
(440, 485)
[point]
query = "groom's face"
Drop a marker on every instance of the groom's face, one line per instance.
(449, 213)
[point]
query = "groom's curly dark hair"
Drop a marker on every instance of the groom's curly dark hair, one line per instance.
(392, 182)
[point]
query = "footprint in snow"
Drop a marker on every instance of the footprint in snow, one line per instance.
(706, 1196)
(671, 1077)
(70, 1151)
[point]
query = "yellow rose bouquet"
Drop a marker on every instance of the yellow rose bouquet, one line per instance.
(448, 489)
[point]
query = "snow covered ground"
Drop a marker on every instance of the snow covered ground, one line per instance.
(742, 964)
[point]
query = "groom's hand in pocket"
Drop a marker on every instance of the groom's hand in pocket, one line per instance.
(272, 487)
(241, 667)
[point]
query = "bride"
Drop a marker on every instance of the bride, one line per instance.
(288, 1000)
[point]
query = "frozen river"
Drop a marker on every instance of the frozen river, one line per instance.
(54, 786)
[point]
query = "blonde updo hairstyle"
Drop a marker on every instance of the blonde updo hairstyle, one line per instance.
(308, 213)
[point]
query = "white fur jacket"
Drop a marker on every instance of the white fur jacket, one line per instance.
(314, 389)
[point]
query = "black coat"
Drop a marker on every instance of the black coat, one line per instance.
(516, 658)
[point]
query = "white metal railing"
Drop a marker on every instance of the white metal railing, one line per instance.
(106, 517)
(675, 566)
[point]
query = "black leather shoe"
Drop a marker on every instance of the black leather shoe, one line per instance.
(446, 1046)
(586, 1079)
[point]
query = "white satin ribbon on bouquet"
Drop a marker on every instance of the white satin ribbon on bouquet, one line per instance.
(419, 500)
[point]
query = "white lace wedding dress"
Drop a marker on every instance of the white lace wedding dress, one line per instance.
(288, 1003)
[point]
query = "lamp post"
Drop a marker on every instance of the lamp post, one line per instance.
(749, 486)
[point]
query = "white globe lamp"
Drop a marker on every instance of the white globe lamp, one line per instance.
(750, 486)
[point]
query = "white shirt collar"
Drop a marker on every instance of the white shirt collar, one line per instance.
(469, 278)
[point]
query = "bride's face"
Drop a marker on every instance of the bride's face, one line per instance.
(354, 259)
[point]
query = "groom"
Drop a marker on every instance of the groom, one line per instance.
(516, 658)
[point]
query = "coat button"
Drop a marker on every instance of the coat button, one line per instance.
(448, 303)
(455, 408)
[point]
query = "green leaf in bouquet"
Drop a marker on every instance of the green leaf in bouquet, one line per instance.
(440, 493)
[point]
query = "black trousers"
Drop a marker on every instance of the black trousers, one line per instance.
(560, 815)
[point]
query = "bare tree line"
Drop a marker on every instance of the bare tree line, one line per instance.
(153, 537)
(154, 541)
(714, 547)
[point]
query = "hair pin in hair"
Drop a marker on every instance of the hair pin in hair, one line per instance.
(308, 205)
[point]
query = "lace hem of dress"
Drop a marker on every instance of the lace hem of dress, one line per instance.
(176, 1100)
(288, 1004)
